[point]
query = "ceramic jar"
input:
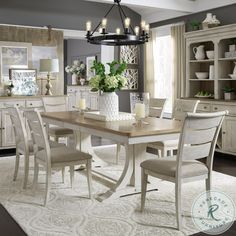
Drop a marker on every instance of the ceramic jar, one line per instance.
(199, 52)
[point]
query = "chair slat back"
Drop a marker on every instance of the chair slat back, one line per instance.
(156, 107)
(182, 107)
(38, 133)
(199, 135)
(18, 125)
(54, 104)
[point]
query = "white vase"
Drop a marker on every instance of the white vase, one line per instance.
(74, 78)
(109, 105)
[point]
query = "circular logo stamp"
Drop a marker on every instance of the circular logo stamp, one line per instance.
(213, 212)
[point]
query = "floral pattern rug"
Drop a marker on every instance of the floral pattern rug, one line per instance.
(69, 211)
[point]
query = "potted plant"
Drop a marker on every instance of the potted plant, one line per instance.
(228, 93)
(77, 69)
(195, 25)
(107, 84)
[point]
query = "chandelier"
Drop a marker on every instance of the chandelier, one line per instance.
(129, 36)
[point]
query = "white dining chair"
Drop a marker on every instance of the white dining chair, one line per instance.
(56, 104)
(181, 107)
(24, 143)
(156, 109)
(197, 140)
(58, 157)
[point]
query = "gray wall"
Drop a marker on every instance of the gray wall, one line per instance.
(80, 49)
(226, 15)
(66, 14)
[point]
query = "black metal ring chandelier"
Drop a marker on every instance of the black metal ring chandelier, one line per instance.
(130, 35)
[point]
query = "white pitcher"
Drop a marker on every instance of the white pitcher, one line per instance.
(234, 71)
(199, 52)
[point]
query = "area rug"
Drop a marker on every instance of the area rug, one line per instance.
(69, 211)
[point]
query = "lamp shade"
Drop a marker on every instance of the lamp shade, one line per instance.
(49, 65)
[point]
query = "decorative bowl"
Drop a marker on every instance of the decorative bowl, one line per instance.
(232, 76)
(202, 75)
(210, 54)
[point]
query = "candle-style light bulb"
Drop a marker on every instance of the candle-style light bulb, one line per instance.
(147, 27)
(118, 31)
(88, 25)
(100, 30)
(143, 24)
(127, 22)
(136, 30)
(104, 23)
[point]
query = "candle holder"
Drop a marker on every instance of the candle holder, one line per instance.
(139, 106)
(82, 102)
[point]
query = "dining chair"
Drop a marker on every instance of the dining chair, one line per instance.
(156, 109)
(181, 107)
(55, 104)
(58, 157)
(197, 140)
(24, 143)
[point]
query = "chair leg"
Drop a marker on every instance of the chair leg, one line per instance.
(26, 170)
(63, 174)
(171, 152)
(89, 177)
(117, 152)
(72, 174)
(48, 186)
(208, 183)
(16, 165)
(143, 188)
(178, 205)
(163, 152)
(36, 173)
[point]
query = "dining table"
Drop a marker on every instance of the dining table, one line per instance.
(133, 136)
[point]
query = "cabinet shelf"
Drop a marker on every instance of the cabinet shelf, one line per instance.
(201, 80)
(226, 79)
(227, 59)
(202, 61)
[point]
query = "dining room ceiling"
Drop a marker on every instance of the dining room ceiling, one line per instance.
(158, 10)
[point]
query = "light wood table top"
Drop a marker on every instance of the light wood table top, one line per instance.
(127, 128)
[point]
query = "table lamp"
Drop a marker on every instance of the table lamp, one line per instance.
(49, 66)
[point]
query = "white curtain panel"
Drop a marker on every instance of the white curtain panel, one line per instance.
(177, 34)
(149, 85)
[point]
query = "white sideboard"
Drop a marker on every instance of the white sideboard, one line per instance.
(7, 137)
(74, 93)
(227, 137)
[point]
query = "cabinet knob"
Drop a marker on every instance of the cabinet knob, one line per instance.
(3, 128)
(216, 108)
(17, 104)
(223, 132)
(31, 104)
(205, 107)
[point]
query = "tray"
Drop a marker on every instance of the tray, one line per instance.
(97, 116)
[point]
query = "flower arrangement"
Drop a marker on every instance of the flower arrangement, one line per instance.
(78, 68)
(108, 82)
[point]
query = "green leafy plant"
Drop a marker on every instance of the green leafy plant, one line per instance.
(110, 82)
(195, 25)
(229, 90)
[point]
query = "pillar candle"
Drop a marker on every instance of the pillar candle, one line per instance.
(82, 104)
(140, 110)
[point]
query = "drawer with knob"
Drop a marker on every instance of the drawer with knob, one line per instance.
(34, 103)
(203, 107)
(7, 104)
(231, 109)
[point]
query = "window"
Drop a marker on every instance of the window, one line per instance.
(163, 61)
